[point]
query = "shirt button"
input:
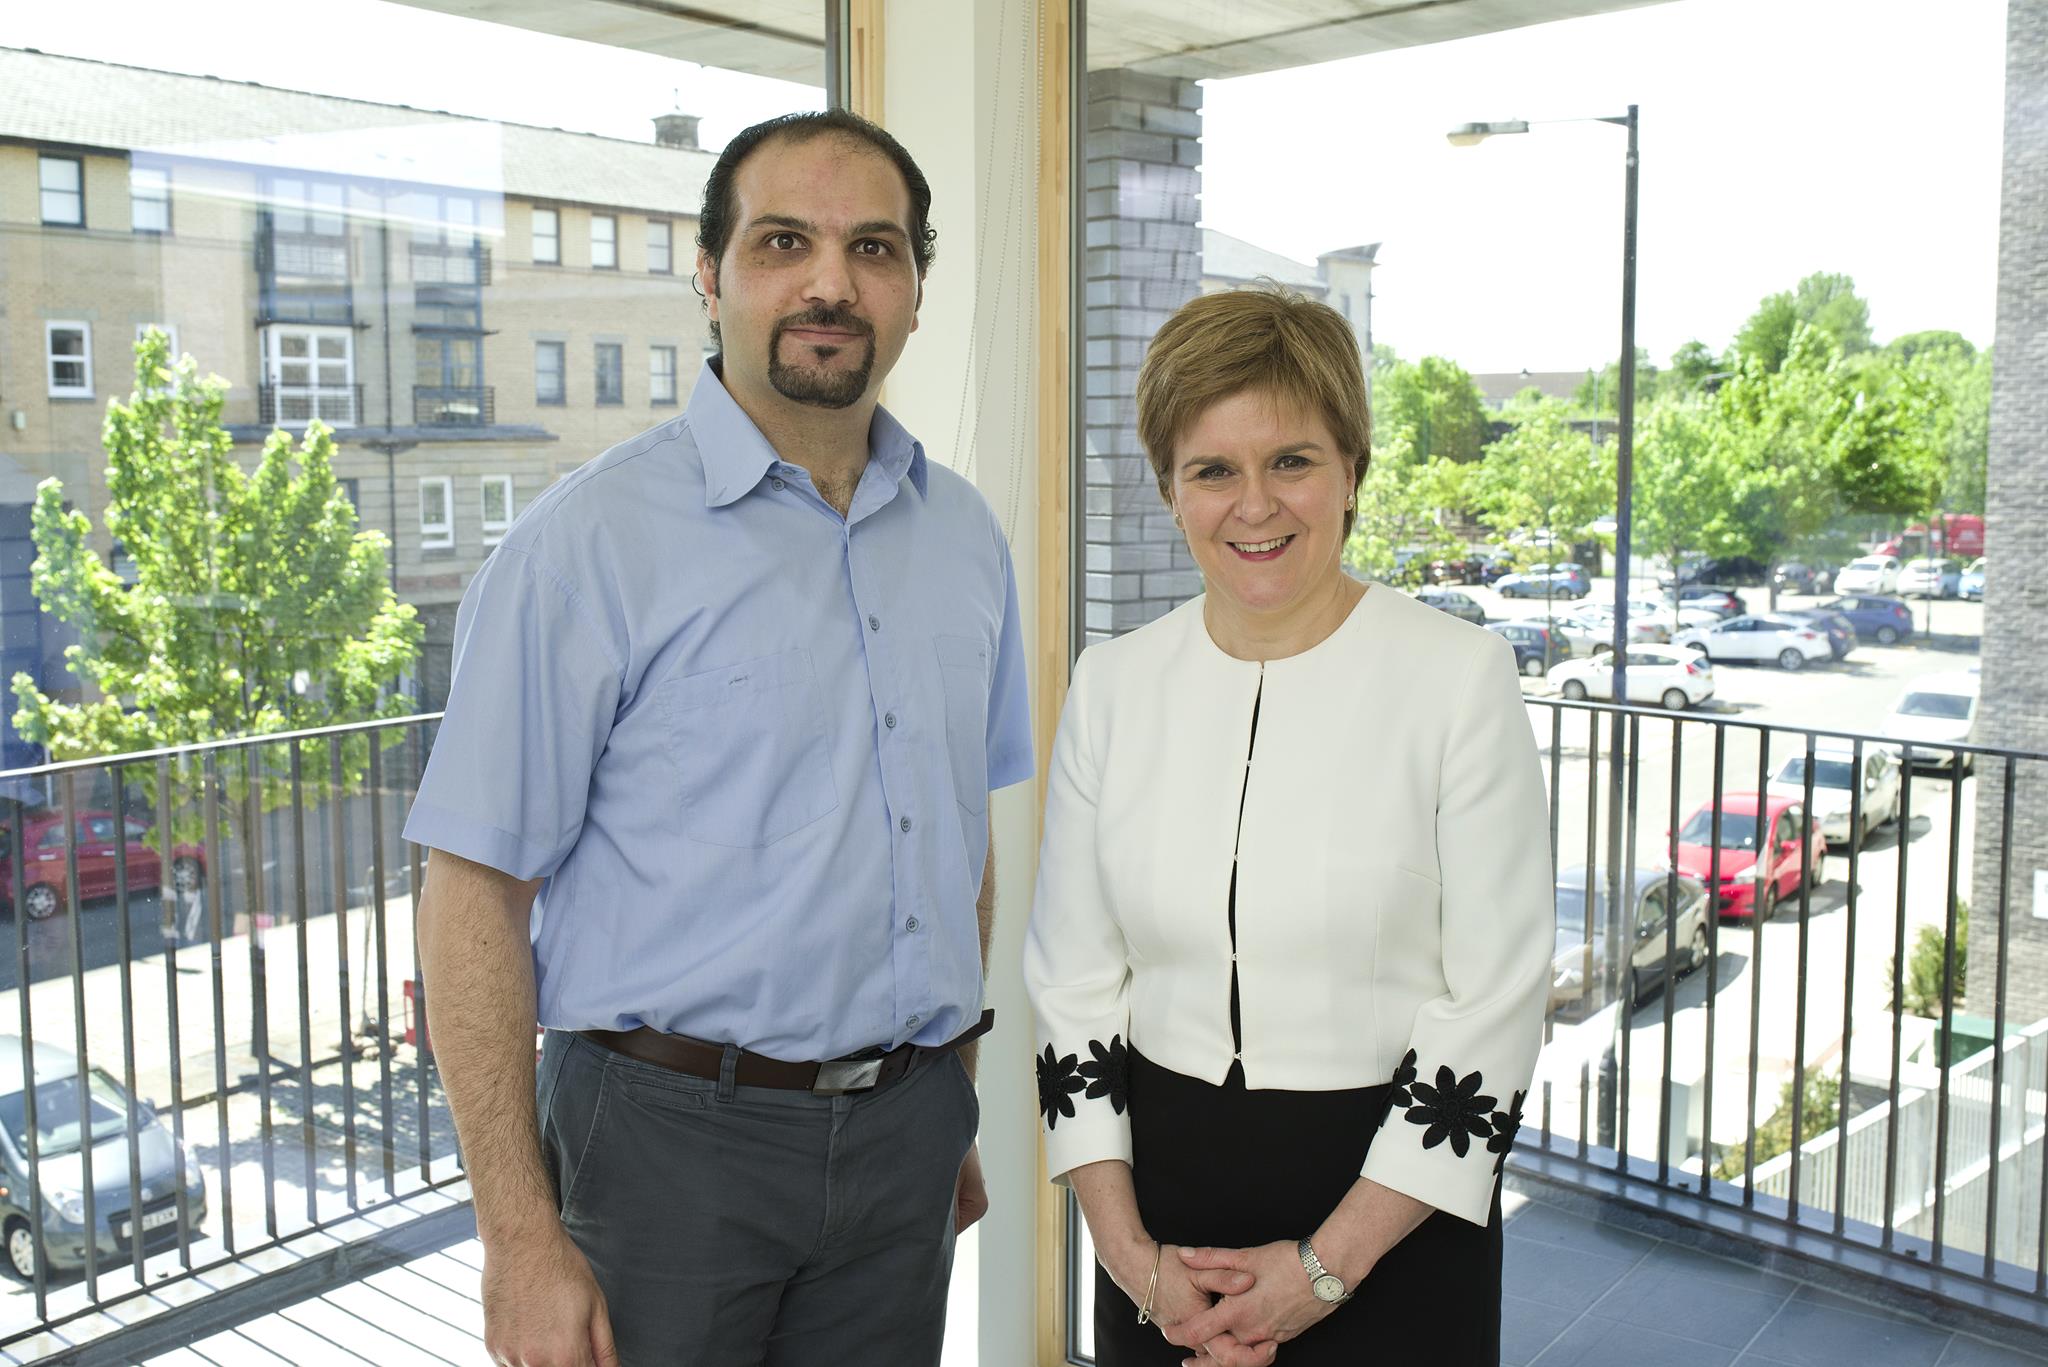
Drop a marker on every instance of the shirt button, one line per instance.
(874, 622)
(889, 720)
(778, 485)
(911, 925)
(911, 1024)
(904, 825)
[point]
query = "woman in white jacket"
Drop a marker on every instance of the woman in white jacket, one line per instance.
(1292, 931)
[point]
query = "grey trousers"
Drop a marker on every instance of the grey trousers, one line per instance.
(754, 1227)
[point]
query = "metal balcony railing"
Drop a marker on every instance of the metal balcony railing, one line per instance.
(456, 406)
(297, 405)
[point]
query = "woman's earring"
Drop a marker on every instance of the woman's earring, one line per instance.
(1178, 523)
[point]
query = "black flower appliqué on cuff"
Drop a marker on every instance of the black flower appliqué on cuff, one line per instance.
(1506, 1124)
(1452, 1110)
(1058, 1080)
(1109, 1072)
(1404, 1078)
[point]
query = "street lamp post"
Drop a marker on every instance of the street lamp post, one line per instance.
(1470, 134)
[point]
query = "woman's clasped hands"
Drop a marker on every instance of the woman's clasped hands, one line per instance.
(1249, 1320)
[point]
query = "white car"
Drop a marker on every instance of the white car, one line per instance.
(1931, 578)
(1580, 637)
(1834, 779)
(1792, 644)
(1937, 710)
(1678, 679)
(1869, 574)
(1643, 628)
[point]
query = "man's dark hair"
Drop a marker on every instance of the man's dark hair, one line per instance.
(715, 223)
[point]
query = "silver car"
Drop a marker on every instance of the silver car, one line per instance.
(1834, 787)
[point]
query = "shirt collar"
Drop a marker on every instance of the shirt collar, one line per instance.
(736, 456)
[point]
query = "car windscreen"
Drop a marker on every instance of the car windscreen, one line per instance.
(1571, 918)
(57, 1113)
(1827, 773)
(1738, 829)
(1946, 706)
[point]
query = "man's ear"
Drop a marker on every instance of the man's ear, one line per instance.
(918, 305)
(707, 282)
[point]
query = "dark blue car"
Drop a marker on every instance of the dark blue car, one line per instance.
(1883, 620)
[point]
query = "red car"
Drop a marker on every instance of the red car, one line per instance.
(42, 843)
(1755, 876)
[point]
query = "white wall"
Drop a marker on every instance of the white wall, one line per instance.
(966, 387)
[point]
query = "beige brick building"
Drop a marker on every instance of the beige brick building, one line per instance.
(475, 308)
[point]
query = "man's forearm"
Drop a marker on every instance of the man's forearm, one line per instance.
(985, 923)
(480, 1009)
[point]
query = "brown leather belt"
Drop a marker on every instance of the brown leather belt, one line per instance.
(681, 1054)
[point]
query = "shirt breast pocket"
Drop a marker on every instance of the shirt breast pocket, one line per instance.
(963, 670)
(748, 744)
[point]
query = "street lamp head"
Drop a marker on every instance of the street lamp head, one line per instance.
(1472, 134)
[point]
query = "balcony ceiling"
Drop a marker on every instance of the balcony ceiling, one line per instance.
(786, 38)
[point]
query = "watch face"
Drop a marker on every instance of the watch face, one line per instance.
(1328, 1288)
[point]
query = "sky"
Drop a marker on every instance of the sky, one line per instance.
(1779, 137)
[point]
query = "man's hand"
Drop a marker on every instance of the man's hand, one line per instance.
(542, 1308)
(1278, 1307)
(970, 1195)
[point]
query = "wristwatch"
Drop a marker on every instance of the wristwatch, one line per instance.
(1327, 1287)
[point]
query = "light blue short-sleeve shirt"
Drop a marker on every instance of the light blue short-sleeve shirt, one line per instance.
(746, 743)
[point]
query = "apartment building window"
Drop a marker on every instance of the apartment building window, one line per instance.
(63, 184)
(604, 242)
(309, 373)
(611, 372)
(437, 513)
(660, 247)
(550, 373)
(497, 501)
(69, 348)
(312, 207)
(352, 490)
(169, 330)
(149, 199)
(547, 237)
(661, 375)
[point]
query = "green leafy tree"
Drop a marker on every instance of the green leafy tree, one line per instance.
(1822, 300)
(255, 604)
(1689, 467)
(1544, 475)
(1601, 393)
(1690, 366)
(1404, 504)
(1436, 401)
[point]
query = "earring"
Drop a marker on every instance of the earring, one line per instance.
(1351, 504)
(1178, 523)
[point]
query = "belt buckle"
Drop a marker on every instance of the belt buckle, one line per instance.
(847, 1075)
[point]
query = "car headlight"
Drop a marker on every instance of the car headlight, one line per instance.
(69, 1205)
(1753, 874)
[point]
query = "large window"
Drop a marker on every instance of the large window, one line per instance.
(604, 242)
(547, 237)
(149, 199)
(496, 493)
(63, 186)
(611, 372)
(437, 513)
(550, 370)
(68, 349)
(660, 246)
(661, 375)
(310, 373)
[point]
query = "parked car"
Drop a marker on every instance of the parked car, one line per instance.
(1572, 990)
(1792, 644)
(1712, 598)
(1455, 569)
(1886, 621)
(1937, 710)
(1460, 605)
(1971, 584)
(1869, 574)
(46, 873)
(1565, 579)
(1643, 627)
(1579, 637)
(1840, 631)
(1931, 577)
(165, 1166)
(1796, 576)
(1739, 570)
(1768, 846)
(1677, 679)
(1536, 647)
(1835, 781)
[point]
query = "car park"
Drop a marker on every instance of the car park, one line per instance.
(1578, 962)
(1722, 602)
(1672, 678)
(46, 873)
(170, 1184)
(1931, 577)
(1565, 579)
(1785, 641)
(1838, 772)
(1869, 574)
(1971, 583)
(1839, 630)
(1460, 605)
(1536, 647)
(1767, 848)
(1797, 576)
(1884, 620)
(1937, 710)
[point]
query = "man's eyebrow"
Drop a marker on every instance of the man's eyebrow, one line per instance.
(781, 221)
(878, 227)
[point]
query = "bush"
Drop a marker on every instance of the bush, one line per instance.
(1922, 987)
(1818, 1114)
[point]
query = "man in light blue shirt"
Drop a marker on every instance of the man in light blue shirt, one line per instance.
(710, 802)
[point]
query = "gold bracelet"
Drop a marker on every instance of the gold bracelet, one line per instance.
(1145, 1310)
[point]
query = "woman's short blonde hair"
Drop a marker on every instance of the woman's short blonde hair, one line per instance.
(1263, 337)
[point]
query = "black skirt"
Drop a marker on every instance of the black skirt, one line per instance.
(1233, 1168)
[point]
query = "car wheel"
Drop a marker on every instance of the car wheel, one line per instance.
(1697, 950)
(1574, 691)
(1674, 700)
(1816, 875)
(1635, 987)
(1533, 667)
(1887, 636)
(21, 1250)
(186, 875)
(1791, 660)
(42, 902)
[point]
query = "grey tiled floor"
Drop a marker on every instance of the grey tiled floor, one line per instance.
(1580, 1294)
